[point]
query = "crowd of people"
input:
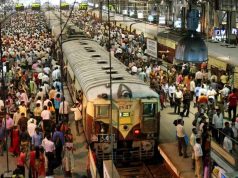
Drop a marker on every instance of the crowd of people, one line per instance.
(37, 113)
(213, 95)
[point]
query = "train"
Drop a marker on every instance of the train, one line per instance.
(110, 96)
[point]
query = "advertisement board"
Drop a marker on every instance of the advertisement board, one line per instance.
(152, 48)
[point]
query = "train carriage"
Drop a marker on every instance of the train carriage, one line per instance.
(135, 107)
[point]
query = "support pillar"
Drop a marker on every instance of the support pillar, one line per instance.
(231, 23)
(183, 18)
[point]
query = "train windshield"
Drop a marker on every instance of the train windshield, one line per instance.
(149, 109)
(102, 111)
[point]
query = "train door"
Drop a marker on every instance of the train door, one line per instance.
(149, 113)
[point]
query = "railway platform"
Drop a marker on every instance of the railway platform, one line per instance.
(180, 166)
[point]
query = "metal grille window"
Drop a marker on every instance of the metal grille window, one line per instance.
(149, 109)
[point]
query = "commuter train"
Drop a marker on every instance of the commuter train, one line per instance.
(110, 96)
(128, 103)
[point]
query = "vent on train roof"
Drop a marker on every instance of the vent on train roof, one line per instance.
(83, 43)
(88, 48)
(96, 55)
(91, 50)
(101, 62)
(117, 77)
(112, 72)
(106, 67)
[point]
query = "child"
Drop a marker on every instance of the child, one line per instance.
(68, 150)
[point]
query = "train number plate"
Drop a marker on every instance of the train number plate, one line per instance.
(105, 138)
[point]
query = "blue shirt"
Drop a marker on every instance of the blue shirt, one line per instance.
(36, 139)
(57, 103)
(58, 85)
(60, 135)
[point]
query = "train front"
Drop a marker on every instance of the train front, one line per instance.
(135, 123)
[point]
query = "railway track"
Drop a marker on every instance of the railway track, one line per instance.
(145, 171)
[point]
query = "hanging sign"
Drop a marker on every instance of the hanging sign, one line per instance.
(35, 6)
(83, 6)
(64, 6)
(19, 7)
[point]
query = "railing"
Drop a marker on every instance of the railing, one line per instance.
(227, 147)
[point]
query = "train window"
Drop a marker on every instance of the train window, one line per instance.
(102, 111)
(149, 109)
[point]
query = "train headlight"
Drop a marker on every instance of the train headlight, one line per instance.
(125, 127)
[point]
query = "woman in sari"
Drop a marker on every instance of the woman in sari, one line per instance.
(15, 142)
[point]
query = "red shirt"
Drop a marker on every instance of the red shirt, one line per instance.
(21, 159)
(232, 99)
(202, 99)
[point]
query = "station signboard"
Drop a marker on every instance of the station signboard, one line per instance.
(35, 6)
(152, 48)
(64, 6)
(83, 6)
(19, 7)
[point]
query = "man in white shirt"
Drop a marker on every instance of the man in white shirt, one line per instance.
(49, 147)
(192, 87)
(217, 121)
(198, 77)
(56, 74)
(172, 90)
(31, 126)
(45, 115)
(178, 98)
(133, 70)
(198, 158)
(77, 115)
(181, 139)
(64, 110)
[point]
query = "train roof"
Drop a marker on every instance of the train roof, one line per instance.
(90, 64)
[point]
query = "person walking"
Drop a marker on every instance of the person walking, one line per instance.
(34, 162)
(181, 139)
(37, 138)
(172, 90)
(198, 158)
(21, 162)
(58, 139)
(77, 115)
(232, 100)
(64, 110)
(57, 101)
(46, 116)
(178, 97)
(192, 143)
(186, 102)
(49, 147)
(217, 121)
(68, 153)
